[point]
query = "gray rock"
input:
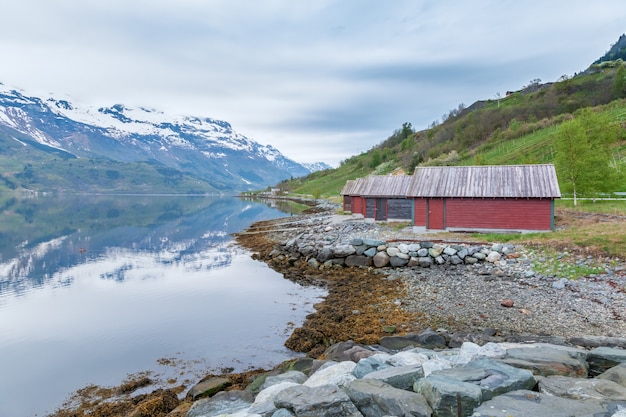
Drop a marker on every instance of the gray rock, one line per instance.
(392, 251)
(371, 364)
(370, 252)
(426, 245)
(283, 412)
(449, 397)
(397, 261)
(470, 260)
(402, 377)
(455, 260)
(603, 358)
(425, 261)
(581, 389)
(548, 360)
(208, 387)
(326, 400)
(462, 253)
(616, 374)
(360, 249)
(494, 257)
(341, 251)
(440, 260)
(450, 251)
(313, 263)
(598, 341)
(356, 260)
(479, 255)
(422, 252)
(524, 403)
(436, 250)
(289, 376)
(374, 243)
(499, 377)
(325, 254)
(225, 402)
(357, 242)
(381, 259)
(376, 399)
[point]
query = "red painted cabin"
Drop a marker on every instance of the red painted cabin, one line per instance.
(506, 197)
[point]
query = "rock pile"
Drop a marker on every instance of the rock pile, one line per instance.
(427, 378)
(380, 253)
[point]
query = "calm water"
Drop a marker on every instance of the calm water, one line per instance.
(96, 288)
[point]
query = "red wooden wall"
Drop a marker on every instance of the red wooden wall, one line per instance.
(515, 214)
(488, 213)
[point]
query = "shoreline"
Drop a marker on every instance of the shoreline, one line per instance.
(363, 305)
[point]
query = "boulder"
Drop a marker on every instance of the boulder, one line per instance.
(548, 360)
(225, 402)
(370, 252)
(616, 374)
(373, 363)
(402, 377)
(436, 250)
(397, 261)
(332, 374)
(296, 377)
(208, 387)
(381, 259)
(524, 403)
(376, 399)
(581, 389)
(373, 242)
(326, 400)
(449, 397)
(603, 358)
(358, 260)
(341, 251)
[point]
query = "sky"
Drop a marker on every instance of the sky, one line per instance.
(320, 80)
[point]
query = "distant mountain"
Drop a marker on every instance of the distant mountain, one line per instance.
(617, 51)
(206, 149)
(316, 166)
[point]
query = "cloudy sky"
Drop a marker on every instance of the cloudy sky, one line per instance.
(321, 80)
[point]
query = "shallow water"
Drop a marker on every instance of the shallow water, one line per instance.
(95, 288)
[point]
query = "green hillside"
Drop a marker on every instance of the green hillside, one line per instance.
(521, 128)
(56, 170)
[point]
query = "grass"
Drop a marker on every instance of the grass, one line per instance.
(588, 236)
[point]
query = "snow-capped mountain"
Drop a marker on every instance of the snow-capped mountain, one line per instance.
(316, 166)
(202, 147)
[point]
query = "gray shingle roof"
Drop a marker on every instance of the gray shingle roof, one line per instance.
(508, 181)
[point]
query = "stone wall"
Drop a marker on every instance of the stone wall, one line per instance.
(379, 254)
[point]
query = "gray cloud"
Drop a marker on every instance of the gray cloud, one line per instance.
(319, 80)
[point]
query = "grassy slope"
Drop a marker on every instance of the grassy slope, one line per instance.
(519, 137)
(518, 129)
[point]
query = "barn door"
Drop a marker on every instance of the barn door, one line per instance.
(370, 208)
(381, 209)
(436, 214)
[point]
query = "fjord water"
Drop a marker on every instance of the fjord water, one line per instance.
(96, 288)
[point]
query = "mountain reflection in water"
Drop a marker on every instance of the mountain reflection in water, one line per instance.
(93, 288)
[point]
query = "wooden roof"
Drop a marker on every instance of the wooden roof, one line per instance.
(381, 186)
(504, 181)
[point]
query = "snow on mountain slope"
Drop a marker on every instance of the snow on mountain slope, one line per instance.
(201, 146)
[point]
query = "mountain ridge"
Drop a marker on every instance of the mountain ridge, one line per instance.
(205, 148)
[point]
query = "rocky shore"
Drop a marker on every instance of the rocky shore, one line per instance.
(416, 324)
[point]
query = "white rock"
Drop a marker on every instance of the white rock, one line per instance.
(469, 349)
(493, 257)
(492, 350)
(433, 365)
(339, 374)
(270, 392)
(407, 358)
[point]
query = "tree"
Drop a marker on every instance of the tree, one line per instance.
(583, 154)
